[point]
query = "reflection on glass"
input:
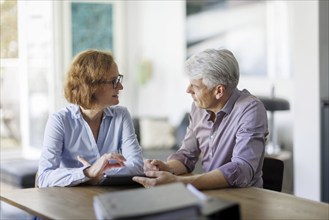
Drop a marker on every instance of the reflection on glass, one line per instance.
(92, 26)
(239, 26)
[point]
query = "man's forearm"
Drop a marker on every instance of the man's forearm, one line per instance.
(211, 180)
(176, 167)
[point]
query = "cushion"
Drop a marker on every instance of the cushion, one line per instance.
(156, 134)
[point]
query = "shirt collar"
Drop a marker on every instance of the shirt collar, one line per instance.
(108, 112)
(76, 113)
(228, 107)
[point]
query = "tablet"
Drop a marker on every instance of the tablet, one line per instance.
(120, 180)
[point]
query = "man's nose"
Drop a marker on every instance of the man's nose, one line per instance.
(188, 89)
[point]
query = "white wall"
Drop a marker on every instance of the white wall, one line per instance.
(305, 38)
(156, 33)
(299, 128)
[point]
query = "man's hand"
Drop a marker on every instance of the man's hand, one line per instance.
(157, 178)
(155, 165)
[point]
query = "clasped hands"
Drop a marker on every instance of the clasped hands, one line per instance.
(158, 173)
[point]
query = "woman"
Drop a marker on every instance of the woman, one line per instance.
(92, 136)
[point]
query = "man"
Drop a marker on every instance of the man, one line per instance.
(227, 130)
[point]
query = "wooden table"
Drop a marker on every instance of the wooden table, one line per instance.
(77, 202)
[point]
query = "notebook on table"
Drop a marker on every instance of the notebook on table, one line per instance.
(169, 201)
(173, 201)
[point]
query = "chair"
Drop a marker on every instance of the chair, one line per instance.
(272, 174)
(272, 105)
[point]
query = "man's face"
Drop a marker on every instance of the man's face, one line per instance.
(202, 96)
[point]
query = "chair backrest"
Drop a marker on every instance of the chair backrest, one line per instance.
(272, 174)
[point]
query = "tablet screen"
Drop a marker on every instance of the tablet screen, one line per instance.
(120, 180)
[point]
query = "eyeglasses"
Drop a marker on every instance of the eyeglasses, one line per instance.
(115, 82)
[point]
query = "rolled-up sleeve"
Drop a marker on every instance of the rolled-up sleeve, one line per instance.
(248, 152)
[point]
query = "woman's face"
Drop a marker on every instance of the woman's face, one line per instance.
(108, 92)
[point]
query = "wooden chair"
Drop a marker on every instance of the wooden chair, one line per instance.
(272, 174)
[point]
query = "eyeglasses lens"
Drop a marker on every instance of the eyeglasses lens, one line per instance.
(116, 81)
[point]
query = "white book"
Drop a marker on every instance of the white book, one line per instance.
(170, 201)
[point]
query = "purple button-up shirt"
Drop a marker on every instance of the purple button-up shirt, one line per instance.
(234, 143)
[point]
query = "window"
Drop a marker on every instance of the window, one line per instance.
(255, 31)
(9, 101)
(26, 70)
(38, 41)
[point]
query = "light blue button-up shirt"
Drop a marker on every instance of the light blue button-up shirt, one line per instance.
(68, 135)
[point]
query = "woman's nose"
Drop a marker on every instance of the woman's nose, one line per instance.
(120, 86)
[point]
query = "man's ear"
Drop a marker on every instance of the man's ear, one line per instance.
(219, 91)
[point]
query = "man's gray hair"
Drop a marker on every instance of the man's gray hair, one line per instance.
(215, 67)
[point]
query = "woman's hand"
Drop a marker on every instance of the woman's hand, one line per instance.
(107, 161)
